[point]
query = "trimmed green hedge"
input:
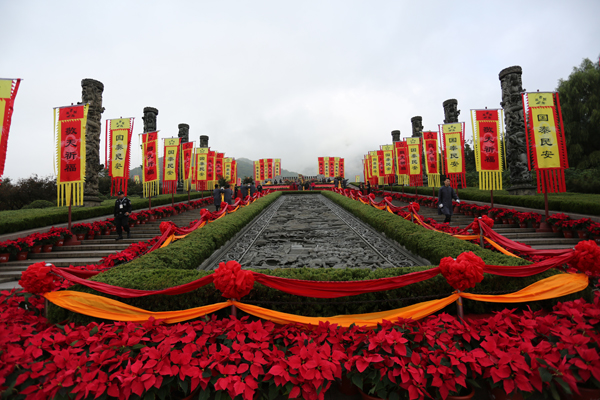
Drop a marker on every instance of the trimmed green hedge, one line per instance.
(428, 244)
(19, 220)
(566, 202)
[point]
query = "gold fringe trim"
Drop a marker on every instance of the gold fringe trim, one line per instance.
(433, 180)
(151, 188)
(490, 180)
(70, 193)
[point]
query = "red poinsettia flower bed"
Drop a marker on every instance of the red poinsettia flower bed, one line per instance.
(526, 352)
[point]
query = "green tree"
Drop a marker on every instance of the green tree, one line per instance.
(580, 103)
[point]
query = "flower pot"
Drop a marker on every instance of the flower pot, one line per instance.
(514, 221)
(60, 243)
(4, 257)
(113, 228)
(456, 210)
(522, 224)
(36, 249)
(131, 224)
(467, 397)
(90, 237)
(535, 225)
(47, 248)
(597, 239)
(22, 255)
(567, 234)
(151, 218)
(497, 220)
(106, 232)
(137, 222)
(555, 229)
(365, 396)
(582, 234)
(505, 221)
(80, 236)
(587, 394)
(499, 394)
(347, 387)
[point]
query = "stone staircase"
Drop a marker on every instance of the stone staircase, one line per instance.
(528, 236)
(92, 251)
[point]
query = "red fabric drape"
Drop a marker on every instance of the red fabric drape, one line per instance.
(520, 247)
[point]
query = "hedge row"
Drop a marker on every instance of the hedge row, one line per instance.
(426, 243)
(18, 220)
(167, 268)
(565, 202)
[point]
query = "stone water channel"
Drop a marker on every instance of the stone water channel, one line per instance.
(311, 231)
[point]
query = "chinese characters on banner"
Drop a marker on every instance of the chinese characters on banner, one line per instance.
(374, 168)
(414, 161)
(277, 167)
(227, 169)
(341, 168)
(545, 140)
(187, 153)
(326, 167)
(269, 170)
(118, 133)
(8, 92)
(488, 144)
(321, 165)
(219, 166)
(453, 139)
(150, 163)
(170, 165)
(331, 167)
(234, 172)
(70, 148)
(388, 163)
(401, 150)
(430, 151)
(202, 168)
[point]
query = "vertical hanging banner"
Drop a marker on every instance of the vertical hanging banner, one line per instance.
(277, 167)
(219, 171)
(202, 168)
(331, 167)
(227, 169)
(381, 163)
(70, 150)
(414, 156)
(269, 168)
(170, 165)
(401, 155)
(342, 170)
(326, 167)
(187, 155)
(136, 178)
(546, 147)
(432, 164)
(321, 161)
(262, 174)
(234, 177)
(211, 177)
(150, 164)
(336, 166)
(8, 92)
(256, 171)
(374, 167)
(388, 163)
(365, 163)
(118, 134)
(453, 139)
(488, 144)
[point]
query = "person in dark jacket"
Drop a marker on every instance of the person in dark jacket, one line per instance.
(259, 188)
(122, 211)
(252, 190)
(368, 187)
(217, 197)
(228, 193)
(445, 196)
(244, 189)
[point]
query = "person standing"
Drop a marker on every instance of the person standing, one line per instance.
(227, 194)
(445, 196)
(122, 211)
(259, 188)
(217, 196)
(368, 187)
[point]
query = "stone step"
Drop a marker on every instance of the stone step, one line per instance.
(88, 246)
(550, 241)
(59, 262)
(69, 254)
(526, 235)
(111, 240)
(503, 231)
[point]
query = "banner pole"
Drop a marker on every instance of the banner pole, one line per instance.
(188, 194)
(492, 197)
(459, 307)
(172, 198)
(480, 234)
(150, 201)
(544, 226)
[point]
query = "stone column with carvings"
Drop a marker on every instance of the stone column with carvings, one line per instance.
(203, 141)
(91, 92)
(149, 118)
(516, 144)
(417, 131)
(451, 111)
(395, 136)
(184, 135)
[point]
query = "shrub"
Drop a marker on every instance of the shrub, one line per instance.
(39, 204)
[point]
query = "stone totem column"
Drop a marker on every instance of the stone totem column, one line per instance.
(91, 92)
(395, 136)
(184, 135)
(417, 126)
(203, 141)
(516, 144)
(451, 111)
(149, 118)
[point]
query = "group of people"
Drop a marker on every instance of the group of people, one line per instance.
(225, 194)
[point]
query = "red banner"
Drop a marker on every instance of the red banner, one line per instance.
(71, 154)
(170, 165)
(8, 92)
(342, 171)
(332, 167)
(187, 150)
(150, 157)
(269, 168)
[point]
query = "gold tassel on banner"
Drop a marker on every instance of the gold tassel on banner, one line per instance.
(490, 180)
(433, 180)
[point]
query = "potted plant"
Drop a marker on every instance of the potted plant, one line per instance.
(493, 213)
(506, 216)
(25, 245)
(581, 225)
(132, 220)
(594, 230)
(566, 226)
(80, 230)
(8, 248)
(49, 240)
(554, 219)
(64, 233)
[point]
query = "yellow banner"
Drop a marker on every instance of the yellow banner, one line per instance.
(5, 88)
(374, 161)
(336, 166)
(388, 159)
(277, 162)
(170, 159)
(121, 123)
(120, 140)
(453, 151)
(546, 139)
(227, 169)
(326, 166)
(201, 163)
(257, 171)
(413, 155)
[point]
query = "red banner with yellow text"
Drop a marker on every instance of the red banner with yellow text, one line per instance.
(8, 92)
(414, 156)
(150, 164)
(488, 146)
(187, 155)
(431, 154)
(170, 165)
(401, 162)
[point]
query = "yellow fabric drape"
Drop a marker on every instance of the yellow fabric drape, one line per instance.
(499, 248)
(103, 307)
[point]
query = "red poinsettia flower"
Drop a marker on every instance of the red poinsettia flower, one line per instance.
(587, 254)
(37, 279)
(464, 272)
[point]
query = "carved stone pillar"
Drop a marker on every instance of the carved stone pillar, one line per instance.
(91, 92)
(395, 136)
(417, 126)
(149, 118)
(516, 145)
(451, 111)
(203, 141)
(184, 135)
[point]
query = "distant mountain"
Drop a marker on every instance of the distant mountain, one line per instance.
(245, 167)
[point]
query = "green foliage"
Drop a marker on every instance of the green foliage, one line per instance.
(580, 103)
(13, 196)
(39, 204)
(247, 180)
(18, 220)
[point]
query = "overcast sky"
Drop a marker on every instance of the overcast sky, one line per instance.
(294, 80)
